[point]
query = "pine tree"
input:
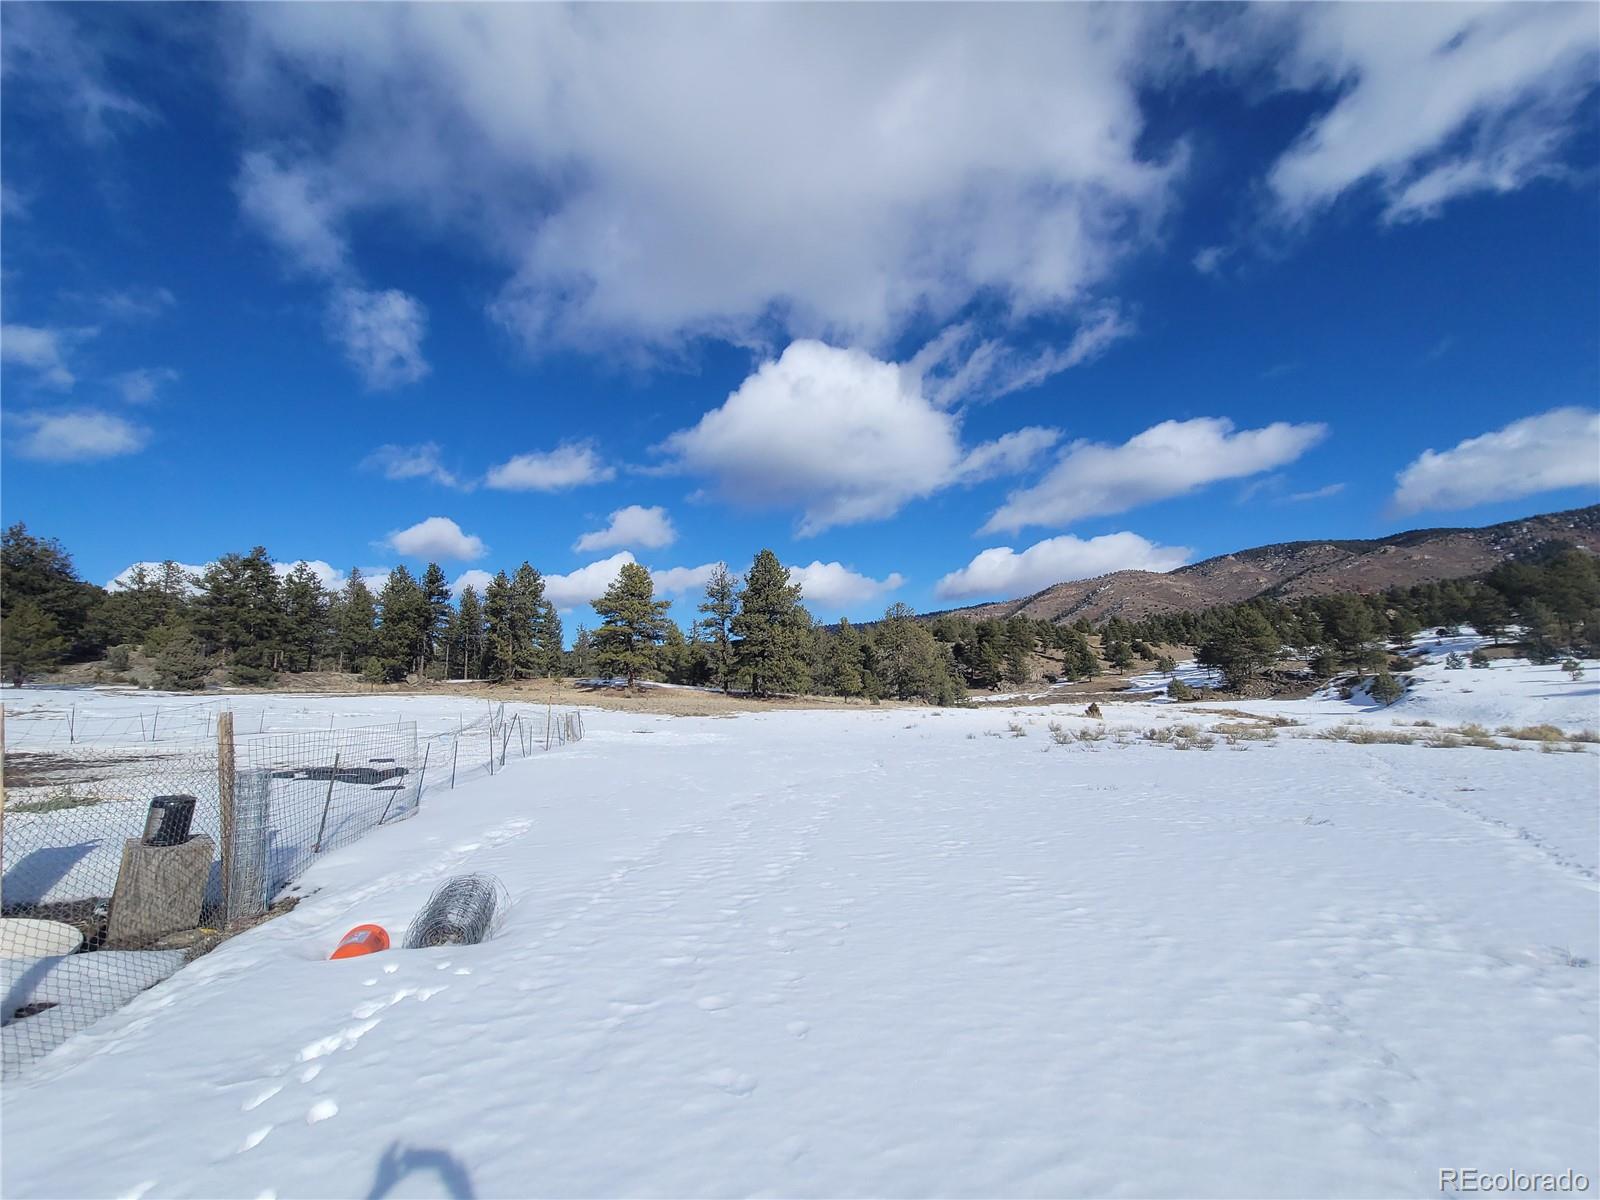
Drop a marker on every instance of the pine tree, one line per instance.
(842, 661)
(499, 634)
(720, 607)
(403, 627)
(306, 608)
(1385, 688)
(768, 625)
(239, 612)
(527, 601)
(30, 640)
(41, 570)
(181, 662)
(357, 635)
(1240, 645)
(466, 635)
(548, 640)
(580, 665)
(436, 590)
(632, 623)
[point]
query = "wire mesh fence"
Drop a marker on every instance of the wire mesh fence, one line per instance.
(128, 849)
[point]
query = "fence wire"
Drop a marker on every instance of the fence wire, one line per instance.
(93, 910)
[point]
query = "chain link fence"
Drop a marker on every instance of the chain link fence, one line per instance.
(133, 845)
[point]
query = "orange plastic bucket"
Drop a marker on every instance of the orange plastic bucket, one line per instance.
(363, 939)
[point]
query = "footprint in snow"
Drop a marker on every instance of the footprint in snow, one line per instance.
(321, 1111)
(713, 1003)
(735, 1083)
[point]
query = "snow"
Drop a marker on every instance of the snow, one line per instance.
(900, 952)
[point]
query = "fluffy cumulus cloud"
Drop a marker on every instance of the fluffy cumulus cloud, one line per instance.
(677, 581)
(1435, 100)
(569, 465)
(1557, 449)
(85, 435)
(436, 537)
(380, 333)
(1004, 572)
(411, 462)
(587, 582)
(475, 579)
(42, 351)
(634, 525)
(1169, 459)
(832, 585)
(661, 171)
(840, 435)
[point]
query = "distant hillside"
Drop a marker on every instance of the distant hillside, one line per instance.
(1291, 569)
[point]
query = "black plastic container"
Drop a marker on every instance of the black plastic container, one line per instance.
(168, 821)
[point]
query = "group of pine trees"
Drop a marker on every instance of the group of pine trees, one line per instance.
(240, 614)
(1552, 597)
(752, 633)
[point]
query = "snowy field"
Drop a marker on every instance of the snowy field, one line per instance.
(902, 952)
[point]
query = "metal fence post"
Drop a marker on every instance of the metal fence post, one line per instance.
(225, 776)
(246, 848)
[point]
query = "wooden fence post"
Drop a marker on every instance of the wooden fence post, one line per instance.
(225, 798)
(2, 774)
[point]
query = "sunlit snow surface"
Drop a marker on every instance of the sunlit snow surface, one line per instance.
(899, 952)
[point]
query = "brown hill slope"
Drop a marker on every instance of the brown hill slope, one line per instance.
(1291, 569)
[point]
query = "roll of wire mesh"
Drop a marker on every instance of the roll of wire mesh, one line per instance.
(462, 911)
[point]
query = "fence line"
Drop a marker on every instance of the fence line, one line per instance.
(77, 855)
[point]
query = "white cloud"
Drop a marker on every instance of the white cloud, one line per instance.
(1208, 260)
(1003, 572)
(634, 525)
(154, 569)
(586, 583)
(674, 581)
(294, 206)
(475, 579)
(411, 462)
(959, 365)
(1169, 459)
(143, 384)
(381, 334)
(569, 465)
(1557, 449)
(840, 435)
(50, 57)
(41, 350)
(1008, 454)
(132, 304)
(81, 436)
(1436, 100)
(1321, 493)
(832, 585)
(436, 537)
(661, 171)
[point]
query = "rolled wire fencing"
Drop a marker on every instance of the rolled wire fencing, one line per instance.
(99, 901)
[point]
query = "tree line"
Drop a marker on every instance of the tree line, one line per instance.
(1550, 596)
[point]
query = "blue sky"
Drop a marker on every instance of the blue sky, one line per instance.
(942, 304)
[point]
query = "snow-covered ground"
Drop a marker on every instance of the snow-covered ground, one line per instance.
(901, 952)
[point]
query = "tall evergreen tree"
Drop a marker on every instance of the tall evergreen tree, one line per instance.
(466, 635)
(632, 624)
(436, 590)
(769, 626)
(357, 636)
(547, 641)
(720, 606)
(306, 617)
(580, 663)
(30, 640)
(41, 570)
(404, 622)
(841, 671)
(499, 629)
(239, 612)
(527, 601)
